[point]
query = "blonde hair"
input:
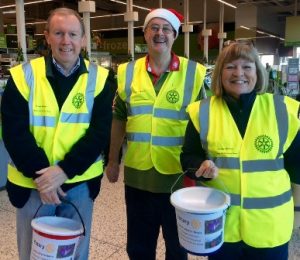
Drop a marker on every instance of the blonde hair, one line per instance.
(234, 51)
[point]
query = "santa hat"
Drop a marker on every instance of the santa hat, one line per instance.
(170, 15)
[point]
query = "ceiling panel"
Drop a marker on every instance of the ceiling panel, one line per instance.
(39, 12)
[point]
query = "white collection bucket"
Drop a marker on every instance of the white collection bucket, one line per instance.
(200, 214)
(55, 237)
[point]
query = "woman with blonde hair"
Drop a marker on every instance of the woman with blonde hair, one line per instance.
(251, 141)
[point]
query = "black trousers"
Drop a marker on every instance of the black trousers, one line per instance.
(147, 212)
(241, 251)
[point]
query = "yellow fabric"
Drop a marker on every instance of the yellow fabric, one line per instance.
(56, 140)
(256, 227)
(144, 155)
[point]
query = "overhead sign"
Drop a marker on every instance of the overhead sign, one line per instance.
(292, 32)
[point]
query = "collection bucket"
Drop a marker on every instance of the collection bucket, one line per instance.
(200, 215)
(55, 237)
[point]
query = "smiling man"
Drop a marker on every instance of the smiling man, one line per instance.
(153, 93)
(57, 115)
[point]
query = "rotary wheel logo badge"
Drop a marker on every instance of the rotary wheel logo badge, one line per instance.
(196, 224)
(263, 143)
(172, 96)
(78, 100)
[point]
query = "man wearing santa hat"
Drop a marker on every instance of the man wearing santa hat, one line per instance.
(149, 109)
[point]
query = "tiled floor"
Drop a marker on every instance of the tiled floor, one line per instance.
(108, 240)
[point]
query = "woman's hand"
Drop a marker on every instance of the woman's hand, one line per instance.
(208, 170)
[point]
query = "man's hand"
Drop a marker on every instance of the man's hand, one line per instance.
(50, 180)
(112, 171)
(52, 197)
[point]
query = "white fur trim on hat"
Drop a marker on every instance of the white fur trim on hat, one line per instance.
(164, 14)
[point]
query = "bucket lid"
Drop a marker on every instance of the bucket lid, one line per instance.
(58, 226)
(200, 200)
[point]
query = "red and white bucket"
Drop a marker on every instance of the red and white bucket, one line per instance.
(55, 238)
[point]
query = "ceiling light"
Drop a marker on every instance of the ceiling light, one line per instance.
(225, 3)
(261, 32)
(115, 29)
(137, 6)
(9, 12)
(195, 22)
(106, 15)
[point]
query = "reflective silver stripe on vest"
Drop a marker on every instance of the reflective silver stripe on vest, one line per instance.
(171, 114)
(48, 121)
(138, 110)
(156, 140)
(44, 121)
(189, 83)
(167, 141)
(89, 99)
(267, 202)
(227, 162)
(261, 203)
(282, 121)
(263, 165)
(204, 117)
(75, 118)
(158, 112)
(29, 78)
(138, 137)
(249, 166)
(235, 199)
(129, 76)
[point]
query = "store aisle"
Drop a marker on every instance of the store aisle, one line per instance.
(108, 240)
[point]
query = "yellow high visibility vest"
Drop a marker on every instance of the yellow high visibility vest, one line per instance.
(251, 169)
(156, 123)
(57, 131)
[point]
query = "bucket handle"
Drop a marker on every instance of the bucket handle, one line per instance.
(66, 202)
(202, 180)
(174, 184)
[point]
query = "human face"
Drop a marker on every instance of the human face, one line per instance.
(160, 36)
(239, 77)
(66, 39)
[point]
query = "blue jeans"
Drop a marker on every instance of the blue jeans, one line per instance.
(78, 195)
(146, 213)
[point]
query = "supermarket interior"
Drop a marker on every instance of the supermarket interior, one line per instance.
(114, 31)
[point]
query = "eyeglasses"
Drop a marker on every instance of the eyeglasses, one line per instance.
(155, 28)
